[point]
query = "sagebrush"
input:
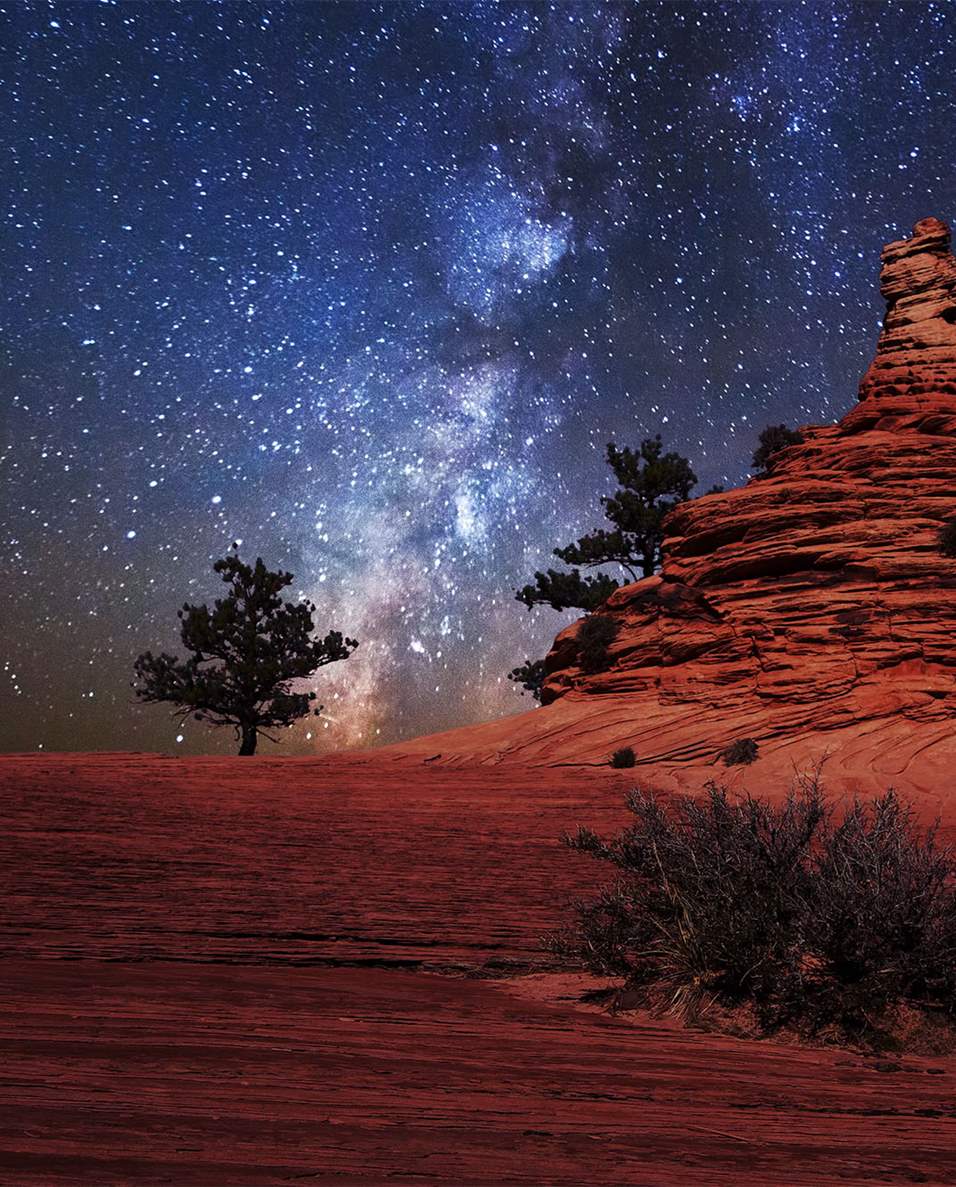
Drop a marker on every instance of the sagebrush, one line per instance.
(808, 920)
(740, 753)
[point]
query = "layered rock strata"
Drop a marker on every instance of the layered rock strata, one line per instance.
(915, 353)
(810, 609)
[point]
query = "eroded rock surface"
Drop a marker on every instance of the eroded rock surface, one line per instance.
(915, 352)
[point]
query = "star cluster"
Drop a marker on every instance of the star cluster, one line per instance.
(369, 287)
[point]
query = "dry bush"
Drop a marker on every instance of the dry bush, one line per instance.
(739, 903)
(881, 917)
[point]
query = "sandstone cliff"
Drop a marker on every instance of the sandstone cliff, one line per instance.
(810, 609)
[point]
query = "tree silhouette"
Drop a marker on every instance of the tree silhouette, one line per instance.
(244, 654)
(651, 483)
(530, 675)
(771, 440)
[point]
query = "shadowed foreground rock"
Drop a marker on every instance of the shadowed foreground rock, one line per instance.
(810, 609)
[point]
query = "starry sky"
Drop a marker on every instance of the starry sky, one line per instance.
(368, 287)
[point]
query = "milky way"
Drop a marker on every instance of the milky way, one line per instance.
(368, 288)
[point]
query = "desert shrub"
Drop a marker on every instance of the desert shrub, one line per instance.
(624, 757)
(771, 440)
(595, 636)
(881, 915)
(947, 538)
(742, 752)
(531, 676)
(707, 900)
(740, 903)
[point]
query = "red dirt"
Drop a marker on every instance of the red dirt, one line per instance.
(183, 1042)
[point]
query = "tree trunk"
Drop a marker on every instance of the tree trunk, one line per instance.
(249, 738)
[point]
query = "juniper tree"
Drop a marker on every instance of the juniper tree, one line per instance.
(243, 656)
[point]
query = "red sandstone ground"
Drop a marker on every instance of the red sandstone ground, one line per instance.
(258, 971)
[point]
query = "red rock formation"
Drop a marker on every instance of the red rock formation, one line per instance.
(810, 609)
(916, 350)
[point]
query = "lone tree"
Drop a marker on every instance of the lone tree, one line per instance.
(771, 440)
(651, 483)
(244, 654)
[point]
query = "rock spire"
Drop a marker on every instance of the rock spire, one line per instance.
(916, 351)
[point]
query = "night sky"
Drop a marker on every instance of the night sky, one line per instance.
(369, 287)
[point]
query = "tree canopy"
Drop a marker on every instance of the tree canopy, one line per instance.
(243, 656)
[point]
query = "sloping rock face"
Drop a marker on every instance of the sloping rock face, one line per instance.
(811, 609)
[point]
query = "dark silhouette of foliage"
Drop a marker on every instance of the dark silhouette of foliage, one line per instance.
(947, 538)
(567, 591)
(706, 897)
(622, 758)
(740, 753)
(595, 635)
(530, 675)
(810, 923)
(771, 440)
(244, 654)
(650, 484)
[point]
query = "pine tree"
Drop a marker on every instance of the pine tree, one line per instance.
(651, 484)
(244, 654)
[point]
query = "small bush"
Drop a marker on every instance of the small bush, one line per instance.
(947, 538)
(595, 636)
(881, 909)
(771, 440)
(531, 676)
(742, 752)
(623, 757)
(804, 922)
